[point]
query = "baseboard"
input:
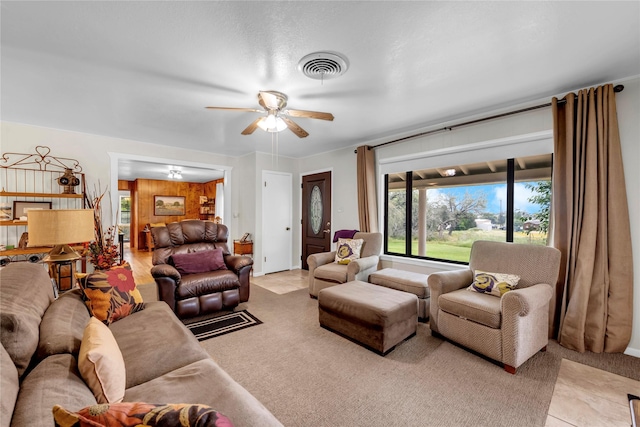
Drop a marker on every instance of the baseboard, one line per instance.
(635, 352)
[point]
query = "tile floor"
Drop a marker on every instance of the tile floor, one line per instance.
(283, 282)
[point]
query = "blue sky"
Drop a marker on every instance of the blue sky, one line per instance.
(494, 193)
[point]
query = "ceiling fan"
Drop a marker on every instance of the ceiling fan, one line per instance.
(276, 120)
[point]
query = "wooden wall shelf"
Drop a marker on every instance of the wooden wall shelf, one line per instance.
(12, 223)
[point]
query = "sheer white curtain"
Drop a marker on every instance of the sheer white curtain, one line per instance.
(220, 200)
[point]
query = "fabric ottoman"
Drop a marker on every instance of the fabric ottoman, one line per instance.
(377, 317)
(406, 281)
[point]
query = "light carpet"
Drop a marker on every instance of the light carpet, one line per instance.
(308, 376)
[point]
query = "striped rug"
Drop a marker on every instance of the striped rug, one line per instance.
(223, 324)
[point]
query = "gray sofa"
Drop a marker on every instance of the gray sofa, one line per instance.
(164, 362)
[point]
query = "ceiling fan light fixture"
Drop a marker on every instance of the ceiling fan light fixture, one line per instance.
(272, 123)
(175, 174)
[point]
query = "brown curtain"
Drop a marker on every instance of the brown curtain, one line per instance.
(366, 175)
(591, 224)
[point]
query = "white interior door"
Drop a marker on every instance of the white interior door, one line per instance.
(276, 221)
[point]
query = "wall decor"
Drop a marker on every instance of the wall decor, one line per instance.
(20, 208)
(168, 205)
(6, 212)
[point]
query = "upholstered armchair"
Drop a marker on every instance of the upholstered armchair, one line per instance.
(194, 270)
(325, 272)
(509, 328)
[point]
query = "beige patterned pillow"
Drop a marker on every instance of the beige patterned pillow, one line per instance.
(101, 364)
(347, 250)
(496, 284)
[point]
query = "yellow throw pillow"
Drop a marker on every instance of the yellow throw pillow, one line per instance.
(101, 364)
(496, 284)
(347, 250)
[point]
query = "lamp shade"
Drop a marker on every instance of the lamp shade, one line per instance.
(60, 226)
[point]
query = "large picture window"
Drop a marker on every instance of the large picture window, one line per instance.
(438, 213)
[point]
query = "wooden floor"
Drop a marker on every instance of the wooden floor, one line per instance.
(583, 396)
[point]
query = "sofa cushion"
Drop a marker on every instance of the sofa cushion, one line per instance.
(132, 414)
(331, 272)
(54, 381)
(208, 384)
(347, 250)
(111, 294)
(9, 386)
(63, 325)
(198, 262)
(155, 334)
(21, 311)
(479, 308)
(496, 284)
(194, 285)
(101, 364)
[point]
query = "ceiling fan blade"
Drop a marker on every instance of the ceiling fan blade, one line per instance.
(309, 114)
(252, 127)
(253, 110)
(293, 127)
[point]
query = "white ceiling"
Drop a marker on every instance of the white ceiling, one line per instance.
(145, 70)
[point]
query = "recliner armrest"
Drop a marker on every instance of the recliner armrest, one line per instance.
(361, 264)
(520, 302)
(165, 270)
(237, 262)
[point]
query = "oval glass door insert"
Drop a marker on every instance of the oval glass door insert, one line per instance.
(315, 209)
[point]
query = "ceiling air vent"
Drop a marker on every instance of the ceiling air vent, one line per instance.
(323, 65)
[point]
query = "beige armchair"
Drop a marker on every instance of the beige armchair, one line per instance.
(324, 272)
(509, 329)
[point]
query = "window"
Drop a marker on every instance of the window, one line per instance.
(451, 207)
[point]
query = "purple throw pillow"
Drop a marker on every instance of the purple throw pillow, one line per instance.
(198, 262)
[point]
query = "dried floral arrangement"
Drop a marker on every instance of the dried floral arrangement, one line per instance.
(104, 251)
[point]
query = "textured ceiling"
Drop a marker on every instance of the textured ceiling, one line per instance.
(145, 70)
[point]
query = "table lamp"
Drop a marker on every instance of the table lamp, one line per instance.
(59, 228)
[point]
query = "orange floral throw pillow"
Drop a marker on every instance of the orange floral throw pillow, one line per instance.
(111, 294)
(141, 414)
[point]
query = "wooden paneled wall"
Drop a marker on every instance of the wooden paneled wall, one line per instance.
(142, 199)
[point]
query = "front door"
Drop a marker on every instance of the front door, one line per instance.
(316, 215)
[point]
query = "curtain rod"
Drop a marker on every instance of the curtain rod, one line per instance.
(617, 88)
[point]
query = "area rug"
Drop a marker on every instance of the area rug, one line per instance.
(224, 324)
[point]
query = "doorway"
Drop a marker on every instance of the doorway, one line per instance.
(316, 215)
(276, 221)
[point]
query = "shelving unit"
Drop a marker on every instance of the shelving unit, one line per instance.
(34, 178)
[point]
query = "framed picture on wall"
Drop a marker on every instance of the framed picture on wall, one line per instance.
(20, 208)
(168, 205)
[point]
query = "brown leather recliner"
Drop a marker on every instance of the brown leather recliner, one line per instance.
(195, 294)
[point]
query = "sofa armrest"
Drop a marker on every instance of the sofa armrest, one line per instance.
(443, 282)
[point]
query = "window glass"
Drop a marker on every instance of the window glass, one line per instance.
(453, 206)
(532, 199)
(396, 213)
